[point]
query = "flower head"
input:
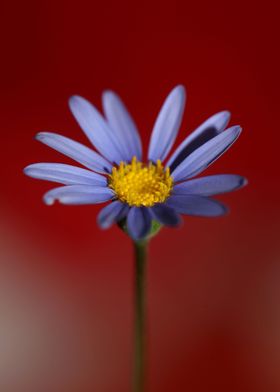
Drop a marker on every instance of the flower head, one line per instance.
(140, 191)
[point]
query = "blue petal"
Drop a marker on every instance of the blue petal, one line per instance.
(167, 124)
(138, 222)
(165, 215)
(211, 185)
(196, 205)
(123, 125)
(112, 213)
(206, 131)
(78, 194)
(96, 129)
(65, 174)
(76, 151)
(201, 158)
(123, 213)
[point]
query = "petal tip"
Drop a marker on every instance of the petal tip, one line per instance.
(49, 201)
(180, 90)
(102, 225)
(243, 182)
(28, 170)
(74, 100)
(238, 131)
(108, 97)
(226, 114)
(40, 136)
(108, 93)
(223, 209)
(71, 101)
(237, 128)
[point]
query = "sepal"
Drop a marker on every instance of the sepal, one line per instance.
(155, 228)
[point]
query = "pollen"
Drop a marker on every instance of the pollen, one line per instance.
(139, 184)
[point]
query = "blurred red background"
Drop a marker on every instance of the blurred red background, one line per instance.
(66, 287)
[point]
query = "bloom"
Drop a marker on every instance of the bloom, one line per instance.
(137, 191)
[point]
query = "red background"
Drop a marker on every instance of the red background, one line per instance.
(213, 286)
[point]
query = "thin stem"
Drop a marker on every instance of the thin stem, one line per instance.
(140, 248)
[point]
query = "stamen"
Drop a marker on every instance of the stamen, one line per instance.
(141, 185)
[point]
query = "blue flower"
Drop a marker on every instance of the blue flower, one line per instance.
(137, 191)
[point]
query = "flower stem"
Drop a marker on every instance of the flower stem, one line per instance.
(140, 249)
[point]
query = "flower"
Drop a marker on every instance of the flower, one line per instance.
(137, 191)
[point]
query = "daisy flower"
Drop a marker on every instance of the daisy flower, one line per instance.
(160, 188)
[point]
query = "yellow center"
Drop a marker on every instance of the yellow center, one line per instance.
(138, 184)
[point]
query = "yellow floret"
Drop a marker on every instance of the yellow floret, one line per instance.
(141, 185)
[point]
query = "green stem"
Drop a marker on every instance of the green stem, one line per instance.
(140, 248)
